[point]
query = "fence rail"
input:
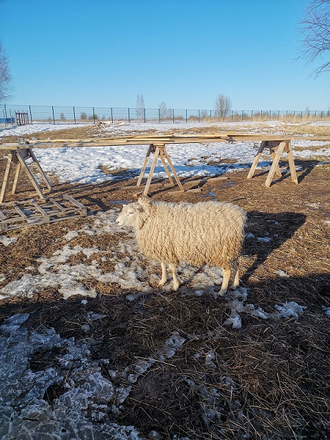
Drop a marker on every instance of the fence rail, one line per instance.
(75, 115)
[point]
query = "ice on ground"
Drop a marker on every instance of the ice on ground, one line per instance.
(6, 241)
(289, 309)
(83, 397)
(264, 239)
(235, 301)
(281, 273)
(327, 311)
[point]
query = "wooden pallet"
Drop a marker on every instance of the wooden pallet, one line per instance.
(25, 213)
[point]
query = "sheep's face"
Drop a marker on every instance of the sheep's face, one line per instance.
(128, 215)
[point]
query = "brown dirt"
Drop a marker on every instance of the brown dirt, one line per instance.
(271, 378)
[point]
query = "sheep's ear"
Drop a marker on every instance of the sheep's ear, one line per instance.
(143, 208)
(145, 203)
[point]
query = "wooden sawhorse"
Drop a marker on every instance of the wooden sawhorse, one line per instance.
(159, 151)
(18, 156)
(277, 148)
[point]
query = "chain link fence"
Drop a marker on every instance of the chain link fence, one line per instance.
(79, 115)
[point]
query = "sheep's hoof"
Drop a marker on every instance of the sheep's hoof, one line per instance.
(161, 283)
(175, 287)
(222, 292)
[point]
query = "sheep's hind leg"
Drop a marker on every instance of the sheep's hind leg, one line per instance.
(236, 275)
(176, 283)
(164, 277)
(225, 281)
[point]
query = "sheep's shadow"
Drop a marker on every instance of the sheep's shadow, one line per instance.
(266, 232)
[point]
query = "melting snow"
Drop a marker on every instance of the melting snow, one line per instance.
(24, 406)
(84, 164)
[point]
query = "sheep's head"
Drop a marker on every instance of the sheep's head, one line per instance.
(135, 214)
(131, 215)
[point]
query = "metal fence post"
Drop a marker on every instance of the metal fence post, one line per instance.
(144, 115)
(111, 112)
(30, 111)
(94, 115)
(74, 115)
(53, 115)
(128, 115)
(173, 116)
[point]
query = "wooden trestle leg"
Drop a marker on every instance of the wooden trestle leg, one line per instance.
(18, 157)
(159, 152)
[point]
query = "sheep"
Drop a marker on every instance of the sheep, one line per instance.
(197, 234)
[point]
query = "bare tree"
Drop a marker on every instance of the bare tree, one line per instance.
(5, 77)
(140, 107)
(316, 34)
(222, 106)
(163, 110)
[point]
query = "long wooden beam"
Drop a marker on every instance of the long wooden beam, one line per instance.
(160, 140)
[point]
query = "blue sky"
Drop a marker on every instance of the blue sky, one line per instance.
(182, 52)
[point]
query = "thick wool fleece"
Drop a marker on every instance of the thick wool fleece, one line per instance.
(202, 233)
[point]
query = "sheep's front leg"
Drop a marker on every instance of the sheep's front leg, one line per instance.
(225, 281)
(164, 277)
(176, 283)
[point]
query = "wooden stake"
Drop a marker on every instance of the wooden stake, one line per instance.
(18, 169)
(173, 170)
(151, 149)
(41, 171)
(5, 179)
(256, 159)
(152, 169)
(275, 163)
(33, 180)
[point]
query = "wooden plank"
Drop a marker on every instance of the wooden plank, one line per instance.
(57, 205)
(151, 172)
(18, 169)
(173, 170)
(20, 212)
(161, 139)
(256, 159)
(162, 158)
(292, 165)
(39, 209)
(30, 175)
(277, 169)
(5, 179)
(43, 175)
(275, 163)
(145, 163)
(83, 209)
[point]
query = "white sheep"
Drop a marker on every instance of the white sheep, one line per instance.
(201, 233)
